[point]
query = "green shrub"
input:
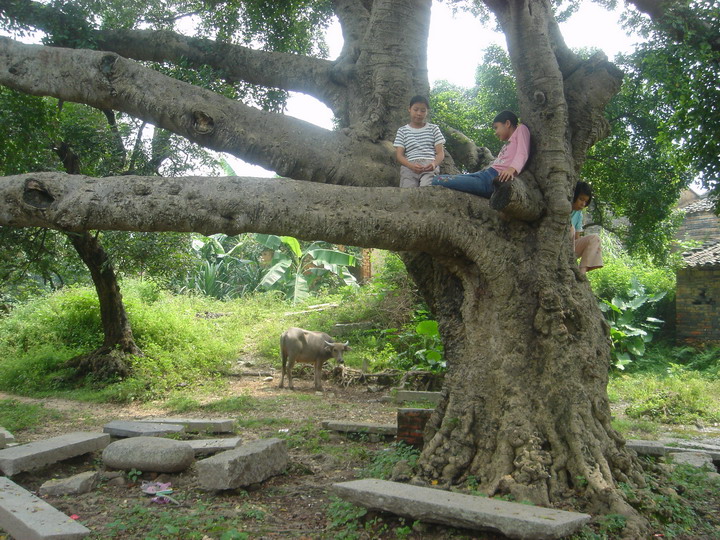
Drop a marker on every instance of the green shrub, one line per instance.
(630, 331)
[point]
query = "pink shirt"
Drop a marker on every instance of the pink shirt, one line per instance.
(515, 153)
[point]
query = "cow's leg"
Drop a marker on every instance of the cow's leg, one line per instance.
(318, 372)
(284, 358)
(290, 364)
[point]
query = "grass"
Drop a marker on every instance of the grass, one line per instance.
(17, 416)
(672, 398)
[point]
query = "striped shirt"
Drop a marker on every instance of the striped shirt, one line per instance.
(419, 143)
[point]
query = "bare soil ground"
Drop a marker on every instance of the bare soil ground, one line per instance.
(297, 504)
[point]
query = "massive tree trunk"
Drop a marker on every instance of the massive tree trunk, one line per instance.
(525, 409)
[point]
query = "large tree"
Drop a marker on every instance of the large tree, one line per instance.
(524, 408)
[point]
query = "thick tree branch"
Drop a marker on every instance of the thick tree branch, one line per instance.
(291, 147)
(680, 22)
(313, 76)
(452, 223)
(294, 72)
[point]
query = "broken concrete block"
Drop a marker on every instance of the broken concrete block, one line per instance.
(360, 427)
(73, 485)
(211, 425)
(213, 446)
(26, 517)
(122, 428)
(149, 454)
(9, 437)
(34, 455)
(696, 459)
(248, 464)
(514, 520)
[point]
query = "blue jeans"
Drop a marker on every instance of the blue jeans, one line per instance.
(477, 183)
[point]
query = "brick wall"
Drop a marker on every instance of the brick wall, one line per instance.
(697, 305)
(411, 424)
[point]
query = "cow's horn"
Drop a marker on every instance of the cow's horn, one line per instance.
(328, 343)
(346, 343)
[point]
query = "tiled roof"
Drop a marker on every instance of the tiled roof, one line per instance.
(706, 204)
(707, 255)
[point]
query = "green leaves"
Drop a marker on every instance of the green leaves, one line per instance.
(296, 271)
(629, 330)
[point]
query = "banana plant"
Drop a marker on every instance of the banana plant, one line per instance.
(296, 271)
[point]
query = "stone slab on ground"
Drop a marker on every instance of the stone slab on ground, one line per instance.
(9, 437)
(514, 520)
(211, 425)
(646, 448)
(26, 517)
(26, 457)
(664, 447)
(73, 485)
(248, 464)
(213, 446)
(123, 428)
(360, 427)
(410, 395)
(676, 445)
(701, 460)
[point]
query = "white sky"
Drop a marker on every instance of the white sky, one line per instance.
(456, 46)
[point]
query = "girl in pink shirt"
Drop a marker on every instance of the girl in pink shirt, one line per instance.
(507, 165)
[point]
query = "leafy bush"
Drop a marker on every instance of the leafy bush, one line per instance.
(629, 330)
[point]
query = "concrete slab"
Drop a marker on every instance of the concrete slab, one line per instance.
(9, 437)
(122, 428)
(248, 464)
(211, 425)
(701, 460)
(664, 447)
(360, 427)
(424, 397)
(213, 446)
(26, 517)
(646, 448)
(26, 457)
(673, 445)
(514, 520)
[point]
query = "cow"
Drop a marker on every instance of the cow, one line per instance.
(307, 347)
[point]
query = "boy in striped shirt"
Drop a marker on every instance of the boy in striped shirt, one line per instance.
(419, 146)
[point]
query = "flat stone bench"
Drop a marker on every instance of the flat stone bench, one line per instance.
(514, 520)
(26, 517)
(360, 427)
(25, 457)
(660, 448)
(211, 425)
(402, 396)
(248, 464)
(213, 446)
(122, 428)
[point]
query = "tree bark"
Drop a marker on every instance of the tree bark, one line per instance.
(110, 360)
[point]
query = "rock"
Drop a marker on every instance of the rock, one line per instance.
(74, 485)
(149, 454)
(118, 481)
(248, 464)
